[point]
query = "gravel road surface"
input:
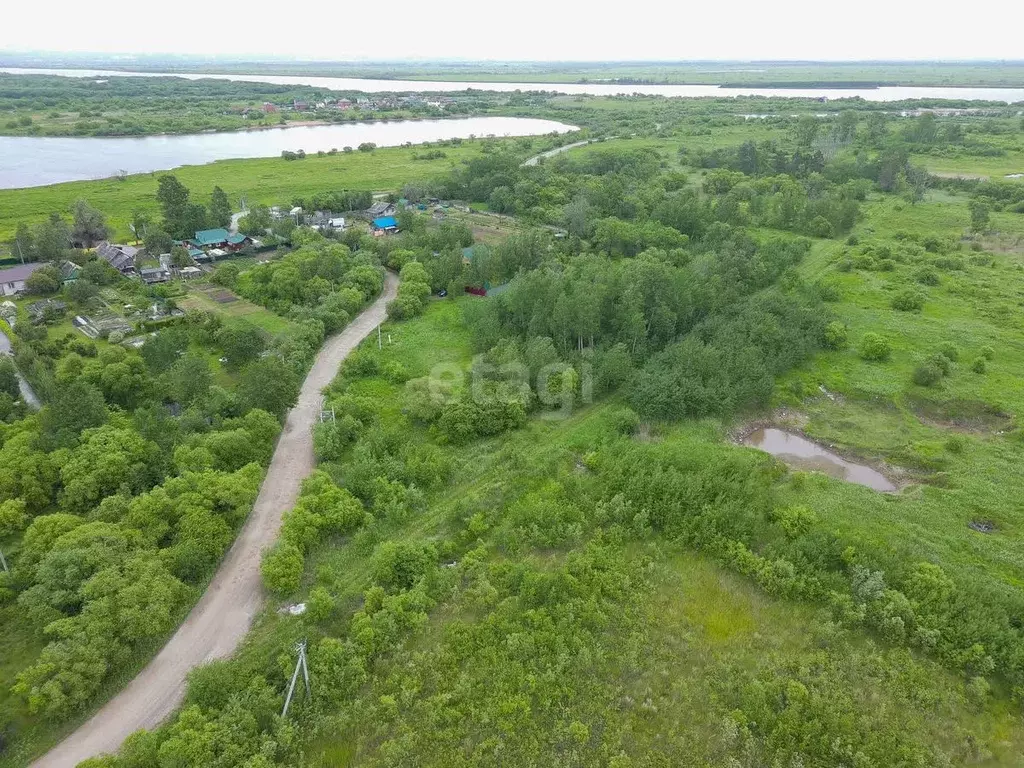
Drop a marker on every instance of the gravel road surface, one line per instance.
(223, 615)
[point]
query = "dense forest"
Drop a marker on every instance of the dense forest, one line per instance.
(532, 538)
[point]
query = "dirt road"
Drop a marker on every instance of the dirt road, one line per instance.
(222, 616)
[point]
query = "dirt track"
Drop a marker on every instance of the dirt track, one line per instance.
(223, 615)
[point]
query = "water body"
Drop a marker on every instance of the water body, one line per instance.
(801, 453)
(886, 93)
(33, 161)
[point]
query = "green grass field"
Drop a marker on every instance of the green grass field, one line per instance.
(265, 180)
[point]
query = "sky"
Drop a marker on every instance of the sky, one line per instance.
(524, 30)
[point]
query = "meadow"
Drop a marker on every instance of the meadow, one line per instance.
(265, 180)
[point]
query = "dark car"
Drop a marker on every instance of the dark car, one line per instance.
(442, 293)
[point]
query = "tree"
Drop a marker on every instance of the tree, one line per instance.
(180, 257)
(82, 290)
(173, 198)
(9, 378)
(44, 281)
(140, 224)
(23, 246)
(75, 407)
(158, 242)
(256, 221)
(99, 272)
(90, 225)
(979, 216)
(269, 384)
(220, 208)
(52, 239)
(242, 343)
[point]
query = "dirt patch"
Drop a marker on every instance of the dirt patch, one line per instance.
(224, 297)
(970, 416)
(982, 526)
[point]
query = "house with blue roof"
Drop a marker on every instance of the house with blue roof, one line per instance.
(384, 225)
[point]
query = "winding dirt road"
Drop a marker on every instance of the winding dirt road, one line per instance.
(223, 615)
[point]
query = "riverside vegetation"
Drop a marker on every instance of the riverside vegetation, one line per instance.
(530, 540)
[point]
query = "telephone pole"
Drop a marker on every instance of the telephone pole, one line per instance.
(3, 562)
(300, 664)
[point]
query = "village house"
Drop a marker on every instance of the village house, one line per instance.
(69, 272)
(384, 225)
(12, 280)
(344, 104)
(300, 106)
(323, 220)
(120, 257)
(383, 208)
(151, 275)
(268, 108)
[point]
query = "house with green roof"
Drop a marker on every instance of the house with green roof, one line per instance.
(211, 238)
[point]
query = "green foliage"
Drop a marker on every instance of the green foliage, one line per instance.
(836, 335)
(909, 300)
(979, 365)
(874, 347)
(281, 568)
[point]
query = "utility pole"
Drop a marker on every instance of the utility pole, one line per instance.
(3, 562)
(300, 664)
(378, 338)
(20, 252)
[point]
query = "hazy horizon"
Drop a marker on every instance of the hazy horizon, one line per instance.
(534, 31)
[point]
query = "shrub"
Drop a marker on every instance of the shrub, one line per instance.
(941, 362)
(988, 352)
(908, 300)
(927, 276)
(835, 335)
(874, 347)
(949, 350)
(282, 568)
(400, 564)
(927, 374)
(979, 365)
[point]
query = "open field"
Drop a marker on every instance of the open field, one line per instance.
(213, 298)
(266, 180)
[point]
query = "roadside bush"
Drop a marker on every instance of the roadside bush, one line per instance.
(874, 347)
(909, 300)
(282, 568)
(835, 335)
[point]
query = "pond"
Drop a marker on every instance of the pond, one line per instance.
(885, 93)
(800, 453)
(33, 161)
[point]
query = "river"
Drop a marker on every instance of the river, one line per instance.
(31, 161)
(886, 93)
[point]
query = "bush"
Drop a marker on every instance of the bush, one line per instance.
(282, 568)
(909, 300)
(949, 350)
(835, 335)
(400, 564)
(874, 347)
(927, 374)
(927, 276)
(979, 365)
(941, 362)
(988, 352)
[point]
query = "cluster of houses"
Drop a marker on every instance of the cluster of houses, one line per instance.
(208, 245)
(389, 102)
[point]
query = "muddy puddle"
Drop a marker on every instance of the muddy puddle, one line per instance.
(800, 453)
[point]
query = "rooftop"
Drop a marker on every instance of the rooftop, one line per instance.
(19, 273)
(211, 236)
(385, 222)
